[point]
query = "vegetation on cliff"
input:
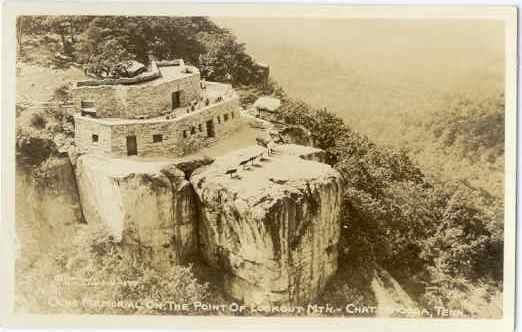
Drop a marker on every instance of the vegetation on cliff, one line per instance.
(92, 274)
(434, 236)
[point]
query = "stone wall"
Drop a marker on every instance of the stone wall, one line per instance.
(84, 129)
(185, 134)
(148, 99)
(180, 136)
(155, 99)
(108, 99)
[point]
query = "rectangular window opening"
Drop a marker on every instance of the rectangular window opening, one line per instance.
(95, 138)
(184, 134)
(225, 117)
(157, 138)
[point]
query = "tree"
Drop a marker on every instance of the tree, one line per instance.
(227, 60)
(111, 53)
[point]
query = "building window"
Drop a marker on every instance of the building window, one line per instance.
(232, 115)
(157, 138)
(219, 119)
(184, 134)
(225, 117)
(192, 130)
(94, 138)
(200, 127)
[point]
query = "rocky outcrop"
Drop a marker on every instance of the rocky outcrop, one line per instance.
(55, 193)
(47, 205)
(273, 228)
(304, 152)
(149, 204)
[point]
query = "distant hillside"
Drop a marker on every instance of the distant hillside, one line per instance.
(430, 87)
(374, 73)
(463, 141)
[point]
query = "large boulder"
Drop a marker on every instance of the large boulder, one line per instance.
(273, 227)
(145, 204)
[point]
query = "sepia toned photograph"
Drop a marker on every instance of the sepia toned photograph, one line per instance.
(263, 166)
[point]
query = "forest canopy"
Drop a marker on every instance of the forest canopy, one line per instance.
(100, 42)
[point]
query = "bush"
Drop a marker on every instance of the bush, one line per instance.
(32, 147)
(38, 120)
(89, 269)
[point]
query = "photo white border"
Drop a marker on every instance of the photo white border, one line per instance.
(335, 11)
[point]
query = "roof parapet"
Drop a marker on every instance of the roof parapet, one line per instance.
(149, 75)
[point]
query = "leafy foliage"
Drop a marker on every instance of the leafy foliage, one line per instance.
(32, 146)
(394, 216)
(227, 60)
(473, 127)
(38, 120)
(91, 274)
(40, 133)
(100, 42)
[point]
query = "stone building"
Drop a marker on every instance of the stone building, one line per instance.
(166, 110)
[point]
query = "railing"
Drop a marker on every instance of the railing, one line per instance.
(200, 106)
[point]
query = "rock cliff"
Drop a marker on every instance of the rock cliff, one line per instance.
(149, 204)
(273, 227)
(47, 205)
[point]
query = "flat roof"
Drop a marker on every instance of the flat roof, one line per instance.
(167, 73)
(170, 73)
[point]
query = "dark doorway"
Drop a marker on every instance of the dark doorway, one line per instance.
(210, 129)
(132, 146)
(176, 100)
